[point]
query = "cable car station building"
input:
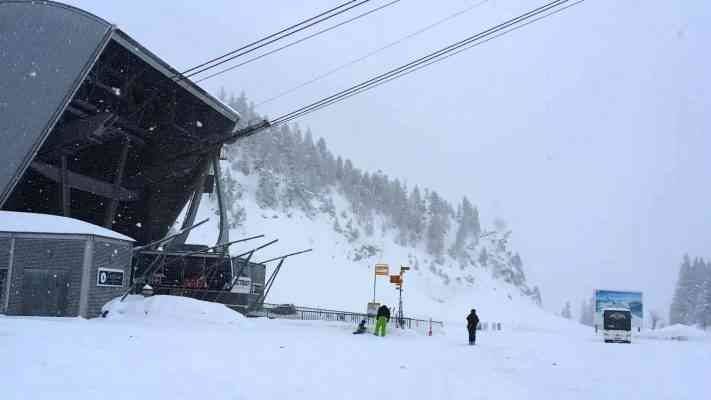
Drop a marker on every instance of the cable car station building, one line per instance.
(96, 128)
(64, 268)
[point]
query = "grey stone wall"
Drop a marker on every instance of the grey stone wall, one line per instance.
(107, 254)
(46, 253)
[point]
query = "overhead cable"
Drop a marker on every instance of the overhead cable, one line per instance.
(338, 25)
(522, 20)
(237, 53)
(287, 29)
(374, 52)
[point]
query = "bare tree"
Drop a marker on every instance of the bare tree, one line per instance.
(566, 313)
(655, 317)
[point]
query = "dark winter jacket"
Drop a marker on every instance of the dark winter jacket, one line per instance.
(472, 321)
(384, 311)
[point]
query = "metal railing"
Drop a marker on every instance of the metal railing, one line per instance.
(321, 314)
(293, 312)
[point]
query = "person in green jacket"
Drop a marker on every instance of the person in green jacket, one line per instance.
(382, 319)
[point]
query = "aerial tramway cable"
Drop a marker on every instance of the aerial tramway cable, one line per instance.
(284, 33)
(374, 52)
(237, 53)
(434, 57)
(547, 10)
(325, 30)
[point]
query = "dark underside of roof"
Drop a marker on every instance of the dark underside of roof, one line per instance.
(124, 149)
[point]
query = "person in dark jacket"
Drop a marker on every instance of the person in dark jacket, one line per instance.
(361, 328)
(382, 319)
(472, 324)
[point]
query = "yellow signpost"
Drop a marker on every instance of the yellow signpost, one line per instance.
(382, 270)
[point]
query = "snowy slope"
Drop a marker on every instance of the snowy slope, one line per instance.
(194, 352)
(339, 273)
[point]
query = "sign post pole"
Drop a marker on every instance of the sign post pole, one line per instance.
(375, 281)
(400, 311)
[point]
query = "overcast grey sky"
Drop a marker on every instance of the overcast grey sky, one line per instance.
(588, 132)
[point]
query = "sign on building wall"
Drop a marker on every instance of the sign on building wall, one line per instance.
(109, 277)
(619, 299)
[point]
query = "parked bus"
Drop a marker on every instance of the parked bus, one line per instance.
(617, 325)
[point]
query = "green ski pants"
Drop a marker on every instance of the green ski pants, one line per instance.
(380, 324)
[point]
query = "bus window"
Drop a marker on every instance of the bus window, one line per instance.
(617, 320)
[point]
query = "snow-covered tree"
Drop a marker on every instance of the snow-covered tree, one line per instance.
(682, 305)
(566, 312)
(655, 317)
(266, 195)
(295, 170)
(587, 312)
(703, 306)
(468, 229)
(536, 296)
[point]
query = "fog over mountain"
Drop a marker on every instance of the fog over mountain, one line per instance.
(587, 132)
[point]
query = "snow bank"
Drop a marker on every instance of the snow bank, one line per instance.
(22, 222)
(676, 332)
(171, 308)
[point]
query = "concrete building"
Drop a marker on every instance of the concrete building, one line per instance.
(58, 266)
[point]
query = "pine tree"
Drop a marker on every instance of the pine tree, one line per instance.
(682, 305)
(483, 257)
(266, 195)
(416, 211)
(536, 296)
(518, 278)
(468, 230)
(694, 292)
(437, 226)
(703, 307)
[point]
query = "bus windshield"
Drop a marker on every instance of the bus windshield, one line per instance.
(617, 320)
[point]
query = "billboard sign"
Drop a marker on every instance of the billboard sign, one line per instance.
(619, 299)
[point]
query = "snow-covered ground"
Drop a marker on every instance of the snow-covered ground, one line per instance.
(170, 348)
(676, 332)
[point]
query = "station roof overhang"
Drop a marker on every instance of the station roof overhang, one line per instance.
(89, 114)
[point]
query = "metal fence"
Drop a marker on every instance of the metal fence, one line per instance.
(238, 302)
(313, 314)
(489, 326)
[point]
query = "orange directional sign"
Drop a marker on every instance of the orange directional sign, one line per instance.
(396, 279)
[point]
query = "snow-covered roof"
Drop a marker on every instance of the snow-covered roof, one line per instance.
(22, 222)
